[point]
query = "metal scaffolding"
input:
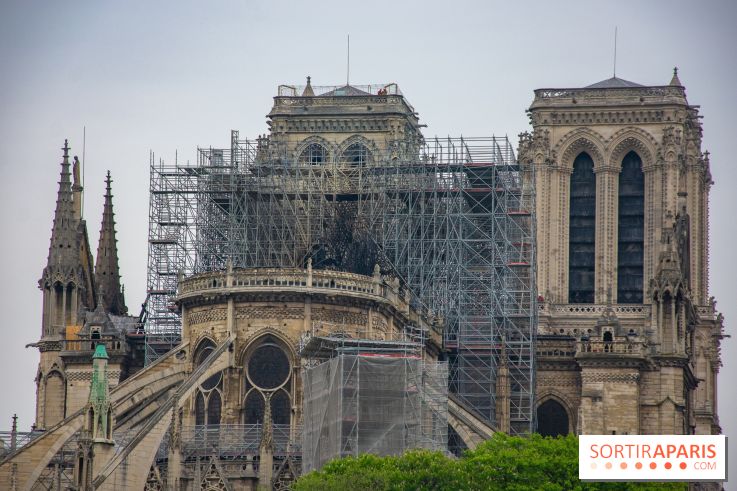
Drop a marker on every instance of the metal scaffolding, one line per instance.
(372, 402)
(451, 218)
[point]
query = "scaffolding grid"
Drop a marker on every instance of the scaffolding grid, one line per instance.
(451, 218)
(373, 403)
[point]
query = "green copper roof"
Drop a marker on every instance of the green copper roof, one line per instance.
(100, 352)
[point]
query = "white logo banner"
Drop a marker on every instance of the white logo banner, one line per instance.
(652, 457)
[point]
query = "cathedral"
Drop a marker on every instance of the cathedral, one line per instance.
(613, 329)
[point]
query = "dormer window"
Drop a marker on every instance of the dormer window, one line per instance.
(95, 332)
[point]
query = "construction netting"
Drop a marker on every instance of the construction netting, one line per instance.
(368, 403)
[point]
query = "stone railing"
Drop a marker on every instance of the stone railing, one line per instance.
(112, 345)
(583, 309)
(609, 93)
(314, 281)
(259, 279)
(610, 347)
(556, 349)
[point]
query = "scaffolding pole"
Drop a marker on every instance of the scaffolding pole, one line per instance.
(452, 218)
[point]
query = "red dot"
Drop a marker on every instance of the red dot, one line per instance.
(668, 465)
(653, 465)
(683, 465)
(623, 465)
(638, 465)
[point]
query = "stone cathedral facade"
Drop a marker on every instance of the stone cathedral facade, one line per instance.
(628, 337)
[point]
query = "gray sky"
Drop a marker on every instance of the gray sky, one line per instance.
(170, 76)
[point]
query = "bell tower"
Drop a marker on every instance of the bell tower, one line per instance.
(622, 189)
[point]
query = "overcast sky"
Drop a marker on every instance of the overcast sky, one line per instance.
(169, 76)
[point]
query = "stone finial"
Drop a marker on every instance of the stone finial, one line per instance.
(675, 80)
(308, 92)
(66, 148)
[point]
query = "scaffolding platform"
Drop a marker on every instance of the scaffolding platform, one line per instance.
(452, 219)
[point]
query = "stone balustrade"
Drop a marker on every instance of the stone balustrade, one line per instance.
(623, 311)
(610, 348)
(112, 345)
(326, 282)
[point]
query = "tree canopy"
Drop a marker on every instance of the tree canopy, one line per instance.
(501, 463)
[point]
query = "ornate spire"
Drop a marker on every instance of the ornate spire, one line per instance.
(107, 273)
(63, 251)
(308, 92)
(99, 406)
(675, 80)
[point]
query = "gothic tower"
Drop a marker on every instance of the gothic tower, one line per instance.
(68, 288)
(83, 306)
(628, 336)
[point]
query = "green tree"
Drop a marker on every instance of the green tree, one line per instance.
(501, 463)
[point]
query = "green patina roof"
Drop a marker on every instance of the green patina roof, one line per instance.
(100, 352)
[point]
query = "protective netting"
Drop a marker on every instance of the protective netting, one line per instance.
(367, 403)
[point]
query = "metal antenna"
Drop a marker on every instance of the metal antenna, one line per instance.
(348, 65)
(615, 51)
(84, 147)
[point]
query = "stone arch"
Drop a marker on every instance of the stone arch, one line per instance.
(370, 146)
(205, 342)
(554, 397)
(632, 139)
(289, 344)
(330, 150)
(577, 141)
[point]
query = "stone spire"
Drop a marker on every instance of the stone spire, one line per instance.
(63, 251)
(675, 80)
(308, 92)
(107, 273)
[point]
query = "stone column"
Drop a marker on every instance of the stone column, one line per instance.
(607, 199)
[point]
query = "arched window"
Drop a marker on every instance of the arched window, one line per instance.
(208, 401)
(268, 376)
(552, 419)
(199, 409)
(631, 230)
(208, 397)
(281, 407)
(313, 154)
(356, 155)
(204, 349)
(582, 231)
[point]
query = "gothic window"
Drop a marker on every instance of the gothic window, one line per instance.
(199, 409)
(208, 401)
(314, 154)
(203, 351)
(552, 419)
(208, 397)
(280, 407)
(631, 230)
(214, 405)
(356, 155)
(582, 231)
(268, 377)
